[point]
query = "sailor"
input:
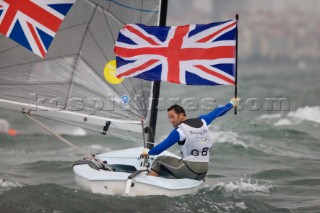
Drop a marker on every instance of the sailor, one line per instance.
(194, 141)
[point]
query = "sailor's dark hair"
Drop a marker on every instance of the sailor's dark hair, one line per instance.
(177, 108)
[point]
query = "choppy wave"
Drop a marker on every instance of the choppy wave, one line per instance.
(227, 137)
(241, 186)
(55, 198)
(283, 152)
(306, 113)
(8, 184)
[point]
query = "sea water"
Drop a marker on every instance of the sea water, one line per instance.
(263, 159)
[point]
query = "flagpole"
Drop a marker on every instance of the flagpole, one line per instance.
(156, 85)
(236, 76)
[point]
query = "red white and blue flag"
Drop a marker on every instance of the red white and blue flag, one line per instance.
(190, 54)
(33, 23)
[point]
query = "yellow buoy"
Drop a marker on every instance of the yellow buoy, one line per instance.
(110, 73)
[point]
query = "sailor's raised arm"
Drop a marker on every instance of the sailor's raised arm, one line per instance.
(220, 111)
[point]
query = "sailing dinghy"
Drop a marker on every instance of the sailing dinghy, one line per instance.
(128, 178)
(68, 84)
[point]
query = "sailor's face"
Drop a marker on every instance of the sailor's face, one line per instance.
(175, 118)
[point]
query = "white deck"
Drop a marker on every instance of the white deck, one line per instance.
(114, 183)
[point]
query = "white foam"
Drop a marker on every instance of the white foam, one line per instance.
(286, 122)
(269, 116)
(305, 113)
(8, 184)
(243, 187)
(240, 205)
(71, 131)
(274, 119)
(227, 137)
(229, 206)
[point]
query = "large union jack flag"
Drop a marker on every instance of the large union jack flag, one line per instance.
(33, 23)
(190, 54)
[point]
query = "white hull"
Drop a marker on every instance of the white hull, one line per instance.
(115, 183)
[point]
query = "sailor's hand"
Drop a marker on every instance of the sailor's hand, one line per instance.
(235, 102)
(145, 152)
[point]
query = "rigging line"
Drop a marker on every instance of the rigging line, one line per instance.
(151, 134)
(88, 155)
(145, 158)
(144, 138)
(95, 130)
(148, 113)
(125, 137)
(143, 97)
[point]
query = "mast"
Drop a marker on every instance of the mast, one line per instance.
(236, 77)
(156, 84)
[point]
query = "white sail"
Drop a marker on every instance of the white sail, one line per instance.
(69, 82)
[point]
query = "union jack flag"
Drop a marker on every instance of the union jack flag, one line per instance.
(33, 23)
(190, 54)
